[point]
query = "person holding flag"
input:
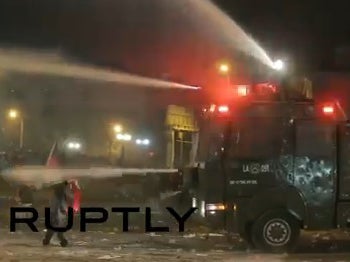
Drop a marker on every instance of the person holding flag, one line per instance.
(65, 195)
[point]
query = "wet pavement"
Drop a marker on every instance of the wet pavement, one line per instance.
(107, 242)
(113, 245)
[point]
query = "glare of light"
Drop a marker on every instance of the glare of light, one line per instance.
(242, 90)
(212, 108)
(119, 136)
(74, 146)
(234, 208)
(224, 68)
(118, 128)
(328, 109)
(127, 137)
(13, 114)
(143, 141)
(146, 142)
(194, 202)
(213, 207)
(202, 209)
(278, 65)
(223, 109)
(123, 137)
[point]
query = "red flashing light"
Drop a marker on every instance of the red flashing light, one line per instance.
(242, 90)
(272, 87)
(266, 88)
(328, 110)
(223, 109)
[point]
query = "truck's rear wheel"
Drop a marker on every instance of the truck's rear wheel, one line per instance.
(275, 231)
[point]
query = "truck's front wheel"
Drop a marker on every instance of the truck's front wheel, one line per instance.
(275, 231)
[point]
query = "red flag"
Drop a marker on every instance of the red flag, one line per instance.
(77, 196)
(52, 160)
(74, 186)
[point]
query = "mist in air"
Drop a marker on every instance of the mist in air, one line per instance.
(178, 38)
(207, 17)
(55, 64)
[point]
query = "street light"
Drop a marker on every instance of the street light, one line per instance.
(118, 129)
(14, 114)
(224, 68)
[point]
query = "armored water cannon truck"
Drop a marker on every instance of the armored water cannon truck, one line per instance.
(267, 169)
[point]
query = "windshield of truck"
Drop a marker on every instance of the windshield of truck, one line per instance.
(257, 138)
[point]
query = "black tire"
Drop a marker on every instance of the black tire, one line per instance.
(275, 231)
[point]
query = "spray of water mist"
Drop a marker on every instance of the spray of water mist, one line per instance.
(54, 64)
(228, 30)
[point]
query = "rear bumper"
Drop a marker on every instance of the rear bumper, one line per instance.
(216, 219)
(216, 215)
(226, 220)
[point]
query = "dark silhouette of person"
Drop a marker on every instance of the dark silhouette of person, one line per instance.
(61, 200)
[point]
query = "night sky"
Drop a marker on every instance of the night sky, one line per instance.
(310, 31)
(110, 32)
